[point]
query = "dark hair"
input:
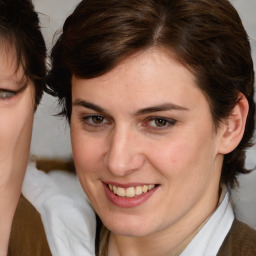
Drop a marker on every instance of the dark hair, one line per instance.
(207, 36)
(19, 28)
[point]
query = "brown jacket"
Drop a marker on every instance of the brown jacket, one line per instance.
(240, 241)
(27, 235)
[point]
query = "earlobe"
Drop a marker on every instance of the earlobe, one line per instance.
(234, 126)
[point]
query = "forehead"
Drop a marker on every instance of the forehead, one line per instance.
(143, 79)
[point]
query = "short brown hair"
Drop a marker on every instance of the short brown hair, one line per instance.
(207, 36)
(19, 28)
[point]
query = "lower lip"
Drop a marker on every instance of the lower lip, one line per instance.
(127, 202)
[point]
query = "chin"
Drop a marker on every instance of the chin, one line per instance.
(129, 229)
(130, 232)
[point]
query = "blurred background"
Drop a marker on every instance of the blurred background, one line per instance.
(51, 138)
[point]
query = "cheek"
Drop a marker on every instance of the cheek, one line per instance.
(184, 157)
(86, 155)
(15, 131)
(86, 151)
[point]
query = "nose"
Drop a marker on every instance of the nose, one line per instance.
(124, 154)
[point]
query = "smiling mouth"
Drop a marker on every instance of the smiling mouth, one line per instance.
(130, 192)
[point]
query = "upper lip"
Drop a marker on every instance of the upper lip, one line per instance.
(128, 185)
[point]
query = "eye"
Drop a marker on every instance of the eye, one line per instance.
(94, 121)
(4, 94)
(97, 119)
(158, 123)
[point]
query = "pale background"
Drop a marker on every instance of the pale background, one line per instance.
(51, 134)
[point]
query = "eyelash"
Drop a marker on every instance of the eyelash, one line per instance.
(6, 94)
(167, 123)
(87, 120)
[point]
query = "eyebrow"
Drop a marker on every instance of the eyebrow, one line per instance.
(157, 108)
(89, 105)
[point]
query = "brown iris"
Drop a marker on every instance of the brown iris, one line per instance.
(160, 122)
(97, 119)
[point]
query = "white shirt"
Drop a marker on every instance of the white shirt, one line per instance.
(209, 239)
(67, 215)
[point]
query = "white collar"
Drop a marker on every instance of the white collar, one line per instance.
(68, 218)
(209, 239)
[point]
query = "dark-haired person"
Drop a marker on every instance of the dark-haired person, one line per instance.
(159, 96)
(22, 73)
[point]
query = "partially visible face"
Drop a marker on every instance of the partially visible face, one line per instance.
(16, 118)
(144, 145)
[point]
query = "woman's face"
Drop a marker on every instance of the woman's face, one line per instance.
(145, 147)
(16, 115)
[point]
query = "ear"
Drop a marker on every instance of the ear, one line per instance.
(233, 127)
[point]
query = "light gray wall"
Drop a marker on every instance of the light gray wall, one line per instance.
(51, 134)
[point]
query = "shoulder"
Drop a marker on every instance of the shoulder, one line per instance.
(27, 235)
(241, 240)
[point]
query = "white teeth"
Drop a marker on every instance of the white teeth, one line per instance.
(151, 186)
(145, 188)
(131, 191)
(120, 191)
(138, 190)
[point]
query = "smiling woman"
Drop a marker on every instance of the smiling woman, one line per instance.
(159, 96)
(22, 71)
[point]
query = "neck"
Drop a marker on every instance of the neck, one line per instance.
(170, 241)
